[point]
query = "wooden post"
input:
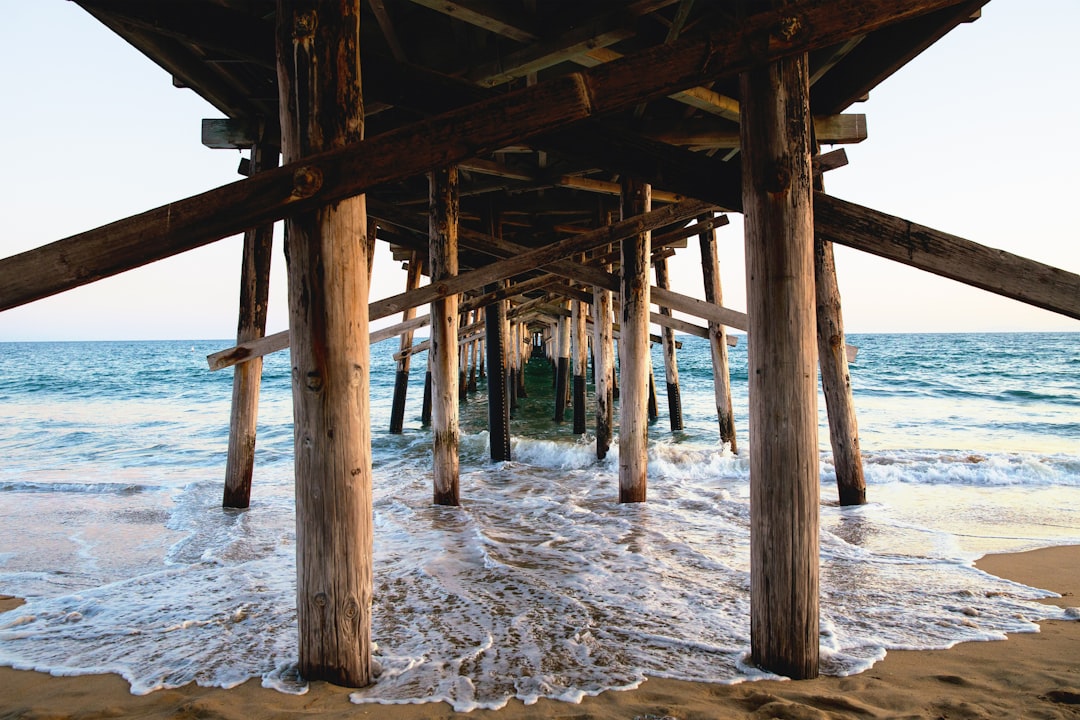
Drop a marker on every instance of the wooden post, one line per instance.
(425, 407)
(784, 485)
(562, 370)
(318, 50)
(671, 363)
(581, 349)
(634, 348)
(498, 407)
(474, 355)
(401, 380)
(463, 362)
(710, 272)
(443, 255)
(836, 380)
(604, 367)
(247, 377)
(654, 408)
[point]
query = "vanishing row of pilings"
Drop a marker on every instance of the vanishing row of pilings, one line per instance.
(319, 194)
(328, 273)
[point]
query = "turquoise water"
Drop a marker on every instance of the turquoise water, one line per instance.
(541, 584)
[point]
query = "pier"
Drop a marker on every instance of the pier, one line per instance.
(538, 164)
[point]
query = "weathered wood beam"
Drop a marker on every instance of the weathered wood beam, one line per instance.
(829, 130)
(448, 138)
(212, 27)
(493, 17)
(996, 271)
(386, 25)
(870, 63)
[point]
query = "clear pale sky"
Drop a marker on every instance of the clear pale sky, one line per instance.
(979, 137)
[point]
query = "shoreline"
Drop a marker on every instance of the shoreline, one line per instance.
(1027, 675)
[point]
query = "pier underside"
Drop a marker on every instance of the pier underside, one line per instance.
(537, 162)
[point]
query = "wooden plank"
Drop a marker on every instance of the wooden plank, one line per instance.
(477, 129)
(492, 17)
(781, 366)
(443, 256)
(996, 271)
(386, 25)
(829, 130)
(610, 188)
(318, 51)
(251, 325)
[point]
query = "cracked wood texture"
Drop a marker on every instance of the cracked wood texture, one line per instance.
(445, 398)
(322, 109)
(634, 366)
(782, 368)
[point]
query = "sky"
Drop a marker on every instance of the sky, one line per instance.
(978, 137)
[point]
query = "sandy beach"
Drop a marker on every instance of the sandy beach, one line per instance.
(1034, 675)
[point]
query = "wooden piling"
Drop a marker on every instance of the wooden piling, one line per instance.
(425, 407)
(778, 210)
(580, 350)
(562, 369)
(247, 377)
(401, 379)
(318, 51)
(604, 367)
(443, 256)
(710, 272)
(498, 402)
(654, 407)
(671, 363)
(836, 380)
(634, 348)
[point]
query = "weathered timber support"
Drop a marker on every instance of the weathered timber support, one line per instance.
(318, 50)
(562, 369)
(634, 349)
(710, 273)
(836, 380)
(463, 362)
(654, 406)
(581, 349)
(425, 406)
(474, 360)
(401, 379)
(671, 363)
(498, 405)
(247, 377)
(784, 486)
(604, 368)
(443, 256)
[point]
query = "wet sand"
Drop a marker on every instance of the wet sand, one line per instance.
(1030, 675)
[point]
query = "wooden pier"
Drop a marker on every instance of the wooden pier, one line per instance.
(536, 161)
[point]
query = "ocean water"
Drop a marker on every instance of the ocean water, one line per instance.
(541, 584)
